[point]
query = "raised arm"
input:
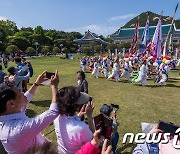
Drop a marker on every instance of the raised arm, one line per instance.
(38, 123)
(54, 86)
(30, 93)
(41, 78)
(89, 110)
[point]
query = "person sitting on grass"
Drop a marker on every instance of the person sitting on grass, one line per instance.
(18, 132)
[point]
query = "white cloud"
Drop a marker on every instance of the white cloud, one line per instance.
(98, 29)
(3, 18)
(122, 17)
(105, 29)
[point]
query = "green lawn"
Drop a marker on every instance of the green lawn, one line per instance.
(138, 104)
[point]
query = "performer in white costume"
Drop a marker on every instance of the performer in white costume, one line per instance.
(105, 67)
(83, 64)
(178, 62)
(115, 71)
(96, 69)
(126, 70)
(164, 70)
(143, 74)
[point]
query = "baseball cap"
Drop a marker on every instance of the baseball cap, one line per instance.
(83, 99)
(106, 109)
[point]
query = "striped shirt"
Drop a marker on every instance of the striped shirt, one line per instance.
(18, 133)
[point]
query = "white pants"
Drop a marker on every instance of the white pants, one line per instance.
(178, 63)
(141, 78)
(83, 67)
(96, 71)
(115, 75)
(163, 79)
(127, 74)
(105, 72)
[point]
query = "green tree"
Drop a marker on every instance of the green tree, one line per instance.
(11, 49)
(124, 45)
(7, 28)
(176, 45)
(56, 50)
(51, 34)
(23, 34)
(86, 49)
(45, 49)
(30, 50)
(111, 46)
(39, 30)
(109, 40)
(73, 49)
(27, 29)
(20, 41)
(98, 48)
(1, 46)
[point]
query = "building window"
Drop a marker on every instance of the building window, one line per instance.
(175, 41)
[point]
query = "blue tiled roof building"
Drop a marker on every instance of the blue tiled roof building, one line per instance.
(125, 35)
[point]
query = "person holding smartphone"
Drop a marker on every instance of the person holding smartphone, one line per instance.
(19, 132)
(108, 111)
(71, 132)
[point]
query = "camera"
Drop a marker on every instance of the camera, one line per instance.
(49, 74)
(104, 123)
(167, 127)
(90, 98)
(115, 107)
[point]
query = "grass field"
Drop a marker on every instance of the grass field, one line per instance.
(138, 104)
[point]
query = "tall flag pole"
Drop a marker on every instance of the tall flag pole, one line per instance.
(156, 41)
(145, 38)
(135, 38)
(170, 47)
(169, 32)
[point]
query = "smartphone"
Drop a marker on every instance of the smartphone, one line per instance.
(49, 74)
(167, 127)
(104, 123)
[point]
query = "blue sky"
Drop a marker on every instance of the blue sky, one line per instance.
(100, 16)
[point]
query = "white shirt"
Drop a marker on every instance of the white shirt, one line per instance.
(166, 69)
(18, 133)
(116, 67)
(105, 65)
(71, 133)
(126, 66)
(96, 65)
(143, 70)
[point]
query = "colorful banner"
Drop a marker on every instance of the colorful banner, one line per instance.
(135, 38)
